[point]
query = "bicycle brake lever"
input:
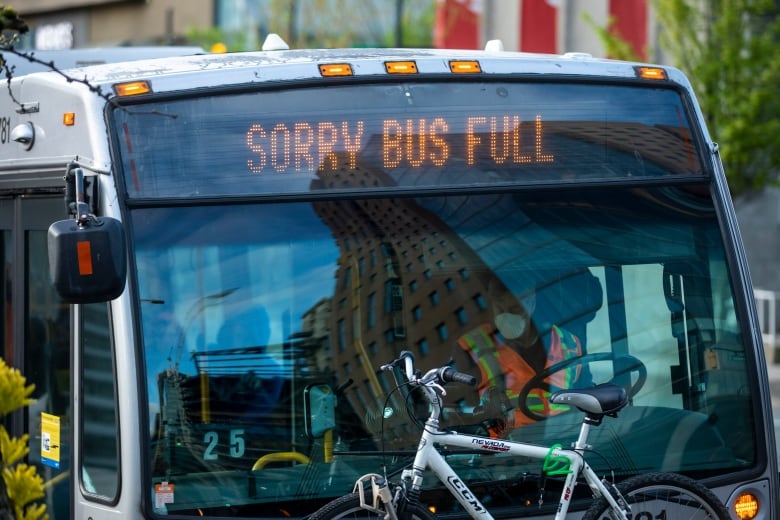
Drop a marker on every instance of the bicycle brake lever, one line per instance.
(439, 387)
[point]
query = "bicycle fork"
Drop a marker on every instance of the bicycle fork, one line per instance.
(381, 498)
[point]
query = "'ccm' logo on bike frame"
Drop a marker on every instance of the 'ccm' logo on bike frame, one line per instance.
(458, 486)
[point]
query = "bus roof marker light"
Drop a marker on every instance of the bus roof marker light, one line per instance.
(465, 67)
(336, 69)
(651, 73)
(69, 118)
(401, 67)
(132, 88)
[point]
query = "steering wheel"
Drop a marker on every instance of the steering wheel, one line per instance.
(625, 364)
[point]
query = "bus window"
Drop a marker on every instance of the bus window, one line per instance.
(99, 445)
(226, 404)
(7, 304)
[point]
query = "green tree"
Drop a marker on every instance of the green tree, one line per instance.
(728, 49)
(210, 39)
(416, 25)
(615, 47)
(10, 23)
(346, 23)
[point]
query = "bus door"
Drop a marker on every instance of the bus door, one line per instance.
(36, 332)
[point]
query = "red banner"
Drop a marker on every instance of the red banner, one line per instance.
(457, 24)
(539, 26)
(631, 23)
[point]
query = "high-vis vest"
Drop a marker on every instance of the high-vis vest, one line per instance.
(503, 368)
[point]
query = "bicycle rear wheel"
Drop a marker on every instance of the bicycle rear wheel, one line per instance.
(663, 495)
(348, 506)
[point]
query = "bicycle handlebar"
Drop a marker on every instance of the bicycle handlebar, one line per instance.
(436, 376)
(449, 374)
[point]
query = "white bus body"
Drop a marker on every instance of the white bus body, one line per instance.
(344, 205)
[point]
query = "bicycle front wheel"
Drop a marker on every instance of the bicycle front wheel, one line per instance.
(663, 495)
(348, 506)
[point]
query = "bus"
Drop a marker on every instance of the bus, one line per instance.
(208, 258)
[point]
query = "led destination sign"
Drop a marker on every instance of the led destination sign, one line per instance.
(403, 136)
(307, 147)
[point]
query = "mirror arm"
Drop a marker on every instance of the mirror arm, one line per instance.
(76, 199)
(82, 208)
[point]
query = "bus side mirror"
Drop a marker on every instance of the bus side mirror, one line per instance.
(87, 259)
(319, 410)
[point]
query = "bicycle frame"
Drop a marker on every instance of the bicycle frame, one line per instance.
(428, 457)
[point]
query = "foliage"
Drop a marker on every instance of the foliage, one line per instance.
(11, 26)
(10, 21)
(615, 47)
(21, 486)
(417, 26)
(728, 49)
(342, 23)
(212, 37)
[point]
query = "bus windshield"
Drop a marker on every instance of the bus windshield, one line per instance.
(517, 231)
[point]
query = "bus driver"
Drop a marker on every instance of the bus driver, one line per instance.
(510, 351)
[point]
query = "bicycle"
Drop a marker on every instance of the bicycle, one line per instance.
(651, 495)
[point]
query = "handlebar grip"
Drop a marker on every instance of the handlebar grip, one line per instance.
(407, 358)
(450, 375)
(406, 363)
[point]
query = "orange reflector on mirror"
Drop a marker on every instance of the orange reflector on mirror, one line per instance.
(84, 252)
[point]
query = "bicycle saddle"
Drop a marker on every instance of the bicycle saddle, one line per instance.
(605, 399)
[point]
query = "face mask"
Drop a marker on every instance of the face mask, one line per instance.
(509, 325)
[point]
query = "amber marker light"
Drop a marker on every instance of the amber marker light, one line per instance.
(746, 506)
(69, 118)
(401, 67)
(465, 67)
(651, 72)
(336, 69)
(132, 88)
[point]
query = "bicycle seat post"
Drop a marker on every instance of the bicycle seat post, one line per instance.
(581, 444)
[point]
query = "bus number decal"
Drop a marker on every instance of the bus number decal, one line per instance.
(5, 130)
(211, 439)
(236, 443)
